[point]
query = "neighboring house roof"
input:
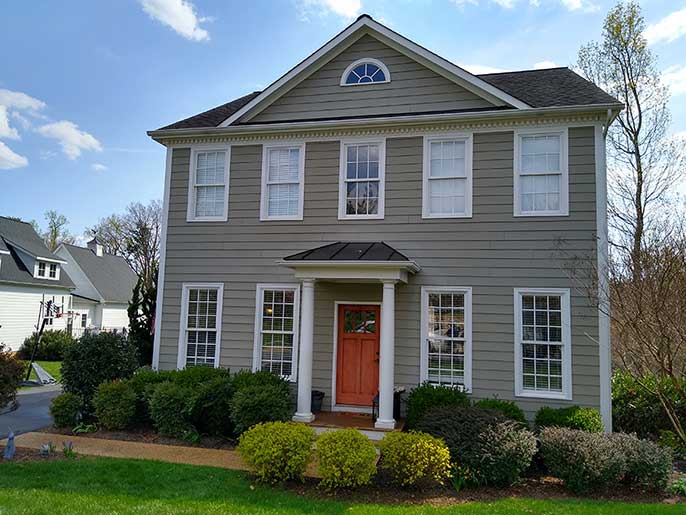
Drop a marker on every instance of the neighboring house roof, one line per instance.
(110, 275)
(350, 251)
(18, 236)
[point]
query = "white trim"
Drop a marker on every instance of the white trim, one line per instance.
(185, 287)
(345, 142)
(352, 271)
(264, 201)
(563, 133)
(257, 340)
(48, 264)
(334, 405)
(195, 150)
(468, 138)
(566, 393)
(424, 331)
(365, 60)
(605, 361)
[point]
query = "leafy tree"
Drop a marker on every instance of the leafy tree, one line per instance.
(141, 313)
(56, 231)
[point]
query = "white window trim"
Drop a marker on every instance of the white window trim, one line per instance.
(342, 176)
(47, 277)
(371, 60)
(566, 393)
(190, 215)
(424, 332)
(257, 340)
(564, 169)
(264, 200)
(181, 360)
(468, 138)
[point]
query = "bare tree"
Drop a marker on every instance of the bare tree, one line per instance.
(56, 231)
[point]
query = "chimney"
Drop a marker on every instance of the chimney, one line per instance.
(95, 247)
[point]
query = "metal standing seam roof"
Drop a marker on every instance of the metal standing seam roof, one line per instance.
(350, 251)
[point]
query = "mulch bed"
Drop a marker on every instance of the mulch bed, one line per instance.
(24, 455)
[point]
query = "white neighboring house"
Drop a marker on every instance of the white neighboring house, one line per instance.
(29, 274)
(104, 284)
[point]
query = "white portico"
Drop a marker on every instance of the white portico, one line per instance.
(366, 346)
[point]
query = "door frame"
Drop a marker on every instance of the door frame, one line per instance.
(334, 405)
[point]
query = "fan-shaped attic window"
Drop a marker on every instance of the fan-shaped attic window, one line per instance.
(365, 71)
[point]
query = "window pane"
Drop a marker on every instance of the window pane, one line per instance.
(447, 159)
(540, 192)
(446, 340)
(278, 308)
(209, 201)
(201, 326)
(210, 168)
(540, 154)
(283, 199)
(447, 196)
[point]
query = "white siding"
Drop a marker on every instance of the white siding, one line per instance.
(114, 316)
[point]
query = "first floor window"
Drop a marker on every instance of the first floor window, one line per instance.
(446, 336)
(276, 329)
(209, 178)
(542, 339)
(362, 180)
(202, 324)
(282, 183)
(448, 177)
(84, 320)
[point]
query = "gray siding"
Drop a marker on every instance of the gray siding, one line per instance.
(492, 252)
(413, 89)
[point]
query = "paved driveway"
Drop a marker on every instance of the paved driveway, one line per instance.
(33, 412)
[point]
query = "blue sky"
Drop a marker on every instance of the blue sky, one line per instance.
(78, 93)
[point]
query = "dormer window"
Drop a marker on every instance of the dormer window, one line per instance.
(365, 71)
(41, 269)
(45, 270)
(53, 271)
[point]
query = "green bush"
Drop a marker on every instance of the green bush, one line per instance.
(169, 410)
(255, 404)
(11, 372)
(192, 377)
(52, 346)
(94, 359)
(261, 378)
(66, 409)
(648, 465)
(426, 397)
(277, 451)
(572, 417)
(345, 459)
(507, 408)
(211, 407)
(115, 404)
(415, 459)
(483, 443)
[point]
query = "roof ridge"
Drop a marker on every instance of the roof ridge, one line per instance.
(13, 219)
(530, 70)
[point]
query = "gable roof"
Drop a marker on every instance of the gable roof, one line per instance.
(110, 275)
(213, 117)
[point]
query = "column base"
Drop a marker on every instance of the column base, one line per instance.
(303, 417)
(384, 424)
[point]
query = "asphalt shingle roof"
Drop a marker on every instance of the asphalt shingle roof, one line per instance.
(350, 251)
(213, 117)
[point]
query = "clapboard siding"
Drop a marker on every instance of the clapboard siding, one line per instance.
(492, 252)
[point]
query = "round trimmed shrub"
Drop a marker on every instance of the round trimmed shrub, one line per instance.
(483, 444)
(255, 404)
(211, 407)
(277, 451)
(169, 406)
(426, 397)
(572, 417)
(66, 409)
(345, 459)
(115, 404)
(508, 408)
(261, 378)
(52, 346)
(193, 376)
(415, 459)
(11, 372)
(648, 465)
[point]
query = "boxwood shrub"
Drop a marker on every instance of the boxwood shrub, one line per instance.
(345, 459)
(507, 408)
(426, 397)
(66, 410)
(210, 410)
(115, 404)
(572, 417)
(415, 459)
(169, 410)
(255, 404)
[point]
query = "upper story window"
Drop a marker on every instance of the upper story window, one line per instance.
(41, 268)
(208, 188)
(365, 71)
(46, 270)
(361, 188)
(447, 188)
(283, 172)
(541, 186)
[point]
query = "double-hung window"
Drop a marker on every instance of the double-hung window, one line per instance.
(362, 176)
(446, 336)
(208, 191)
(41, 268)
(541, 173)
(283, 172)
(447, 184)
(543, 365)
(201, 315)
(277, 308)
(53, 271)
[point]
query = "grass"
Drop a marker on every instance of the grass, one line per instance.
(106, 485)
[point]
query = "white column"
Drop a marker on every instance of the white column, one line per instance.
(304, 410)
(387, 358)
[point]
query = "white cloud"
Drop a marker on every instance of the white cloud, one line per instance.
(20, 101)
(545, 64)
(668, 29)
(572, 5)
(72, 140)
(5, 130)
(180, 15)
(10, 159)
(98, 167)
(584, 5)
(479, 69)
(23, 121)
(675, 78)
(345, 8)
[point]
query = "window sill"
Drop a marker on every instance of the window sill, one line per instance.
(439, 217)
(360, 217)
(281, 219)
(544, 395)
(534, 214)
(208, 219)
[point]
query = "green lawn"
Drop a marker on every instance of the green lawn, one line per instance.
(105, 486)
(51, 367)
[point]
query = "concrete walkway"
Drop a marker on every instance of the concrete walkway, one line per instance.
(33, 412)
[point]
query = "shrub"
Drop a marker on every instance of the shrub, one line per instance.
(52, 346)
(211, 407)
(194, 376)
(415, 459)
(648, 465)
(11, 371)
(255, 404)
(572, 417)
(169, 406)
(345, 459)
(427, 396)
(277, 451)
(507, 408)
(143, 383)
(94, 359)
(261, 378)
(66, 410)
(115, 404)
(483, 443)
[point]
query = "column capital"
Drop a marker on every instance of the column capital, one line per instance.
(388, 283)
(308, 283)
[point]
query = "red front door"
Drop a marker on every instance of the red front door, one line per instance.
(357, 370)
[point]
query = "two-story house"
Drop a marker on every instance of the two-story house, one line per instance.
(379, 217)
